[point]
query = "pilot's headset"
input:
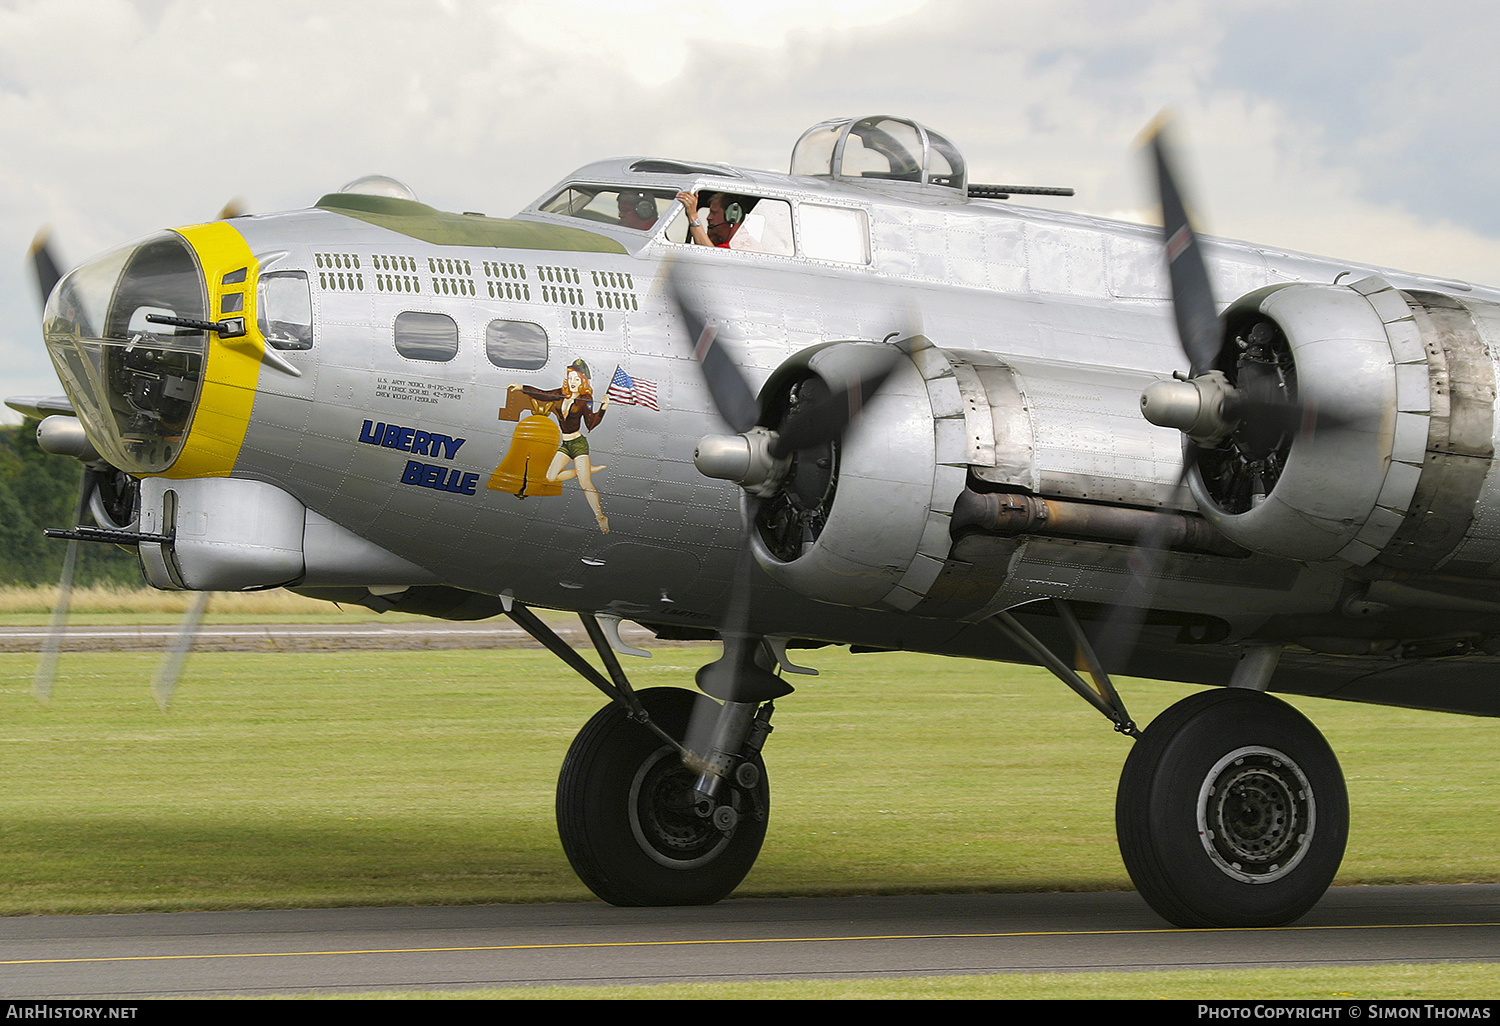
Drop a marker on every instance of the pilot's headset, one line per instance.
(734, 213)
(641, 202)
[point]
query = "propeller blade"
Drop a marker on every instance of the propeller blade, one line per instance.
(1259, 413)
(1116, 639)
(721, 674)
(731, 392)
(818, 417)
(739, 675)
(1200, 334)
(825, 418)
(1197, 317)
(44, 263)
(1303, 419)
(46, 670)
(170, 670)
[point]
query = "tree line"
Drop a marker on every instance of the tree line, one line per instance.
(39, 490)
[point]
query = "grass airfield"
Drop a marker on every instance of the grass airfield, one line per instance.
(422, 777)
(373, 778)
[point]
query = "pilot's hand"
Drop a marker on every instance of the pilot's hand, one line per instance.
(689, 202)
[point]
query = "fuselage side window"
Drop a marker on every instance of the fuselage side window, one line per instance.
(834, 233)
(766, 228)
(426, 336)
(518, 344)
(284, 310)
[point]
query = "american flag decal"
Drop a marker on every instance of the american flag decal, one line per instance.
(632, 391)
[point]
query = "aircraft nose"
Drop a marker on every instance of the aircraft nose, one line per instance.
(132, 382)
(155, 343)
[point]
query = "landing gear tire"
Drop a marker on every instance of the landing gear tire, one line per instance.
(1231, 812)
(626, 816)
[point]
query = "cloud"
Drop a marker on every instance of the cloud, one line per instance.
(1337, 128)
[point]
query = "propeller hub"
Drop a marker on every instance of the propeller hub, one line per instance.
(744, 459)
(64, 436)
(1201, 408)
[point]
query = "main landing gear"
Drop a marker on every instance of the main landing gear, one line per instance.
(663, 798)
(633, 822)
(1231, 810)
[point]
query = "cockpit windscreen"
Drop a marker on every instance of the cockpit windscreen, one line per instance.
(640, 209)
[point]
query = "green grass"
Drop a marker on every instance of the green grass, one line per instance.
(425, 777)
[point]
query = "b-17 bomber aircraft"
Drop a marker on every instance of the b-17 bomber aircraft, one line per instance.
(864, 403)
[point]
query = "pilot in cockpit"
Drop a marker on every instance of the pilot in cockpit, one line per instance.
(637, 209)
(726, 213)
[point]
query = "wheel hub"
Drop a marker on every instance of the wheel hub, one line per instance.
(663, 815)
(1256, 814)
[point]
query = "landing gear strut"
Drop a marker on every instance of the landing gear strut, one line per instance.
(1231, 809)
(663, 799)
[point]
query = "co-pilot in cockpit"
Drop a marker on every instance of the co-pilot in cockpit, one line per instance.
(737, 221)
(624, 206)
(726, 220)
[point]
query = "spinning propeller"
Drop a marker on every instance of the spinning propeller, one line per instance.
(45, 267)
(44, 264)
(1237, 407)
(1201, 405)
(95, 481)
(779, 442)
(757, 457)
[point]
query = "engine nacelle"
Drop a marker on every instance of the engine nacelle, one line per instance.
(1366, 361)
(977, 481)
(871, 521)
(863, 521)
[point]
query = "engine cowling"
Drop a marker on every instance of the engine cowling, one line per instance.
(862, 521)
(1362, 361)
(874, 520)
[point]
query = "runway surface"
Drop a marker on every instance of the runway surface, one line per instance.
(403, 949)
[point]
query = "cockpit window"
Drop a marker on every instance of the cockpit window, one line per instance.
(767, 228)
(639, 209)
(754, 224)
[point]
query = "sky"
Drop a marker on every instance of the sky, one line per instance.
(1362, 129)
